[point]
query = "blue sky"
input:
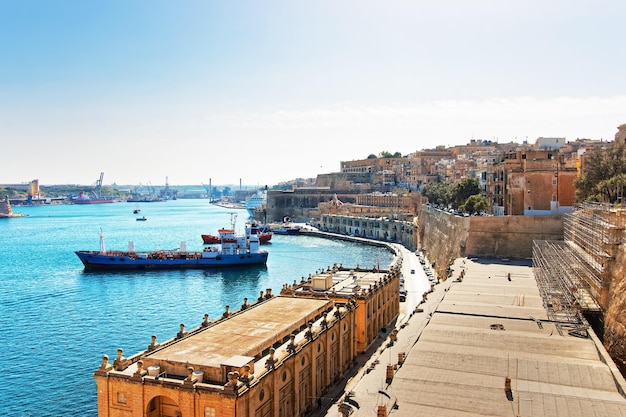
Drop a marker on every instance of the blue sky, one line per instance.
(266, 91)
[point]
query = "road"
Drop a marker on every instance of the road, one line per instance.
(416, 284)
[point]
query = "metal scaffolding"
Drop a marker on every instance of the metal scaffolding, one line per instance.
(572, 274)
(595, 230)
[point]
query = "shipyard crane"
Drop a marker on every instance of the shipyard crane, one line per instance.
(98, 187)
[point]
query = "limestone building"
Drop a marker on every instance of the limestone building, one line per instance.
(275, 357)
(531, 182)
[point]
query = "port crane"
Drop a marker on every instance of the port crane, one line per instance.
(98, 187)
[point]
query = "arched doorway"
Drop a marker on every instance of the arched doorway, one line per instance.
(163, 407)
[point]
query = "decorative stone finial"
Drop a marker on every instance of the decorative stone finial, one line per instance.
(309, 333)
(246, 377)
(182, 333)
(105, 366)
(153, 344)
(233, 380)
(120, 363)
(140, 372)
(291, 347)
(271, 361)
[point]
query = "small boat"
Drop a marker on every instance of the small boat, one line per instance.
(263, 232)
(265, 237)
(234, 251)
(287, 230)
(141, 219)
(210, 239)
(136, 211)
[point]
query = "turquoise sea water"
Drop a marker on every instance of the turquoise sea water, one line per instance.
(56, 320)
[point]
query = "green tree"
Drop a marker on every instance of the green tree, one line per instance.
(463, 189)
(371, 156)
(474, 204)
(600, 165)
(387, 154)
(612, 190)
(453, 195)
(438, 193)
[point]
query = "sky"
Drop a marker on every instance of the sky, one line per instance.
(260, 92)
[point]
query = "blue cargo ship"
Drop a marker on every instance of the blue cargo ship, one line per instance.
(234, 250)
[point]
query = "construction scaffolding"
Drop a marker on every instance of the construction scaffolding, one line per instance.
(595, 230)
(573, 274)
(560, 278)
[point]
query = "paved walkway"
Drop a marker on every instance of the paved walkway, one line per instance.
(451, 357)
(370, 372)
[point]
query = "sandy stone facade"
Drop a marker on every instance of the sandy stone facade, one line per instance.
(276, 357)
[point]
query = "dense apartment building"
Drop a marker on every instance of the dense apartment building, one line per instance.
(530, 182)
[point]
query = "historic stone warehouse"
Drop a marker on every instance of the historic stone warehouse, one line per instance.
(274, 357)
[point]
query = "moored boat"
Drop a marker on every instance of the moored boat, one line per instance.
(263, 232)
(256, 201)
(95, 198)
(233, 251)
(210, 239)
(264, 237)
(287, 230)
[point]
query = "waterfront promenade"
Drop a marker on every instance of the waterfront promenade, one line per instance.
(482, 346)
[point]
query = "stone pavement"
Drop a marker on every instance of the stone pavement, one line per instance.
(371, 369)
(481, 345)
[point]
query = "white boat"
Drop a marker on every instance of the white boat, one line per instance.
(258, 199)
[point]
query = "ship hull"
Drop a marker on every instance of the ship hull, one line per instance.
(193, 260)
(94, 201)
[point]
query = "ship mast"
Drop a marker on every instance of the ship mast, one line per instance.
(102, 248)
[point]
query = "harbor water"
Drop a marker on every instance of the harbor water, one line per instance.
(56, 320)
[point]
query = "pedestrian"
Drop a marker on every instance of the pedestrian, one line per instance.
(319, 403)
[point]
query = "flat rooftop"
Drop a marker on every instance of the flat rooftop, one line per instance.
(342, 282)
(479, 332)
(243, 335)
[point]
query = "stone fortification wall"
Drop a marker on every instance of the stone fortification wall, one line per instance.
(442, 236)
(511, 236)
(5, 207)
(445, 236)
(342, 180)
(615, 315)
